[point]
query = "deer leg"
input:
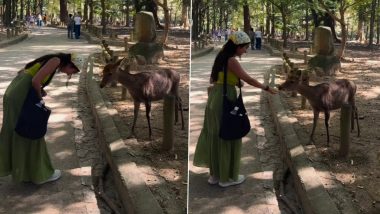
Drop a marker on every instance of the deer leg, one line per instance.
(148, 106)
(135, 114)
(357, 120)
(353, 118)
(179, 102)
(315, 120)
(176, 106)
(327, 118)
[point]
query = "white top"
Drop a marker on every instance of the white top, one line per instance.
(77, 20)
(258, 34)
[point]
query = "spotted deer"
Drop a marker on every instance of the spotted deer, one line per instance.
(144, 87)
(324, 97)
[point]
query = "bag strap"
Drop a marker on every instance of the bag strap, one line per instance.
(225, 82)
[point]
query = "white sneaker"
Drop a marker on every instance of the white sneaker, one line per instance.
(240, 180)
(56, 175)
(213, 180)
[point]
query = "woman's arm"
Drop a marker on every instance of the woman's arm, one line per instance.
(46, 70)
(235, 67)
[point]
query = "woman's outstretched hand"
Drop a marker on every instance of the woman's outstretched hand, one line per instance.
(272, 90)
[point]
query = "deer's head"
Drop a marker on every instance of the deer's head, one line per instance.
(295, 78)
(110, 70)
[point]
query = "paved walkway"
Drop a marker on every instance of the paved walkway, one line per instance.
(70, 137)
(260, 152)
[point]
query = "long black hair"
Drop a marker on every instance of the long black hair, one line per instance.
(65, 59)
(221, 60)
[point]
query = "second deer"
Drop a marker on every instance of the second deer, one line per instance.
(324, 97)
(144, 87)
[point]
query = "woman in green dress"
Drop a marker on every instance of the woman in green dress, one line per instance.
(25, 159)
(222, 157)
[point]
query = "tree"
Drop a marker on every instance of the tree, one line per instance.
(343, 5)
(63, 14)
(284, 7)
(320, 17)
(148, 5)
(372, 23)
(104, 23)
(7, 13)
(247, 20)
(185, 17)
(164, 6)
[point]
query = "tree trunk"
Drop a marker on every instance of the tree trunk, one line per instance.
(164, 6)
(195, 20)
(329, 21)
(226, 13)
(14, 9)
(85, 11)
(247, 20)
(221, 17)
(213, 15)
(63, 11)
(268, 18)
(344, 34)
(307, 32)
(22, 6)
(372, 23)
(35, 6)
(378, 23)
(360, 30)
(104, 24)
(127, 14)
(273, 17)
(7, 13)
(91, 7)
(28, 8)
(185, 15)
(208, 17)
(41, 3)
(284, 25)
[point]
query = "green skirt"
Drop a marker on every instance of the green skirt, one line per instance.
(222, 157)
(24, 159)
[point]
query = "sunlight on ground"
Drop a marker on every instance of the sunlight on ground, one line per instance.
(4, 84)
(64, 154)
(264, 175)
(372, 93)
(83, 171)
(233, 209)
(56, 134)
(247, 160)
(345, 178)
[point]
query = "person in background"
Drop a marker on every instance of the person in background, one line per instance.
(252, 36)
(258, 39)
(70, 26)
(39, 20)
(222, 157)
(44, 19)
(25, 159)
(77, 23)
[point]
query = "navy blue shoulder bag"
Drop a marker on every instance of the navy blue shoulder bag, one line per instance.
(34, 116)
(235, 122)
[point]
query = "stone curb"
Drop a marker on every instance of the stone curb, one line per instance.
(202, 53)
(13, 41)
(134, 194)
(314, 198)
